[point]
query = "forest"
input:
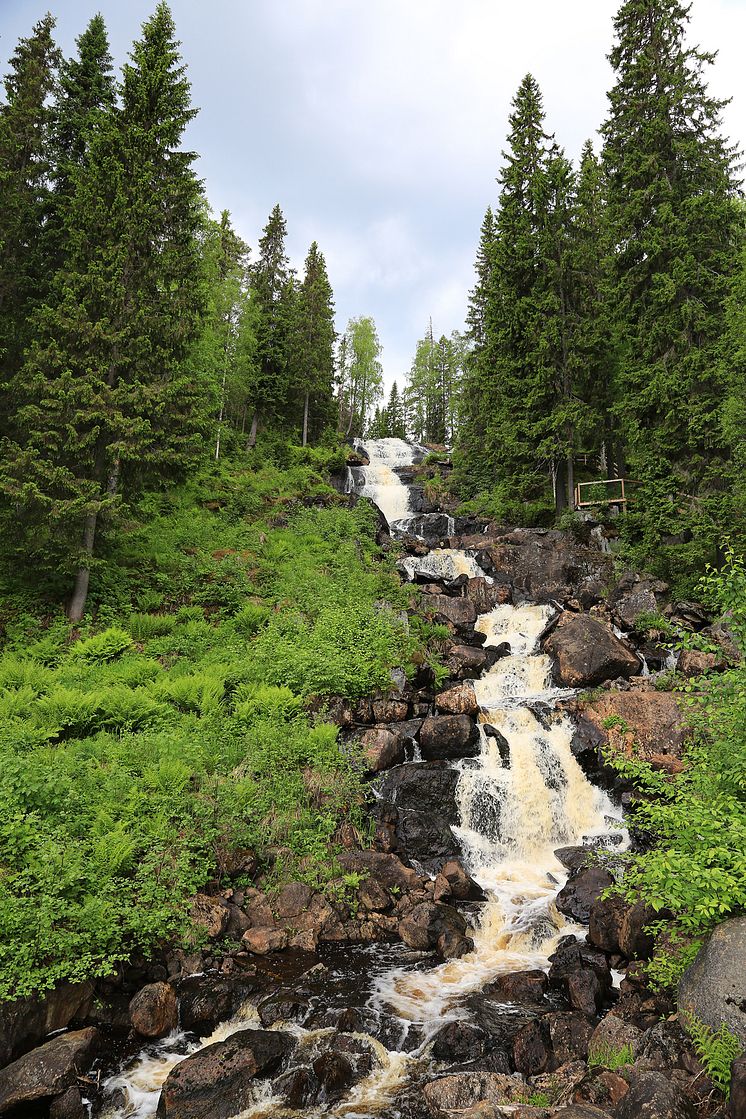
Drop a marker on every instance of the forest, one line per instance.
(191, 589)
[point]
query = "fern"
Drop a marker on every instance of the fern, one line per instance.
(716, 1049)
(103, 646)
(144, 626)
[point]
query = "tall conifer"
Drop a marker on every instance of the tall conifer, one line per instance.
(317, 336)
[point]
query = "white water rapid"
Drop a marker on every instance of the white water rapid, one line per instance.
(523, 797)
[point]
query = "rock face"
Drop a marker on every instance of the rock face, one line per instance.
(459, 700)
(455, 1094)
(543, 565)
(431, 925)
(460, 612)
(650, 723)
(714, 986)
(449, 736)
(217, 1081)
(583, 888)
(653, 1096)
(153, 1011)
(382, 749)
(587, 653)
(28, 1021)
(47, 1071)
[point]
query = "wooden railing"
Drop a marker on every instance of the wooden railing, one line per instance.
(608, 498)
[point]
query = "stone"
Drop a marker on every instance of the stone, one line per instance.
(635, 595)
(569, 1033)
(519, 986)
(262, 941)
(653, 1095)
(586, 652)
(737, 1102)
(579, 1111)
(465, 662)
(210, 914)
(605, 922)
(532, 1051)
(216, 1081)
(486, 596)
(634, 942)
(721, 634)
(293, 899)
(460, 612)
(69, 1105)
(600, 1087)
(26, 1022)
(583, 888)
(459, 700)
(427, 922)
(428, 787)
(583, 973)
(49, 1070)
(693, 662)
(153, 1011)
(459, 1091)
(612, 1034)
(543, 566)
(382, 748)
(390, 710)
(374, 897)
(283, 1006)
(463, 887)
(646, 723)
(444, 737)
(714, 986)
(204, 1001)
(460, 1041)
(389, 870)
(452, 945)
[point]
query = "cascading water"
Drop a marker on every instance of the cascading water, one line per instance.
(520, 799)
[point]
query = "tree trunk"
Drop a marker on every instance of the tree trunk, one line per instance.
(305, 420)
(254, 425)
(220, 417)
(560, 485)
(83, 577)
(570, 481)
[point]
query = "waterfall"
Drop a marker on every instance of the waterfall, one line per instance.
(522, 797)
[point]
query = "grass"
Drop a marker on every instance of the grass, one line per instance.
(172, 726)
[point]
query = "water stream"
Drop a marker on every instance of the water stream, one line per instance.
(517, 804)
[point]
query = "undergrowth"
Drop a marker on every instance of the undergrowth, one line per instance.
(172, 726)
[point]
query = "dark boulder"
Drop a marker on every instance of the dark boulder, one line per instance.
(519, 987)
(204, 1001)
(532, 1050)
(381, 748)
(653, 1095)
(424, 926)
(462, 886)
(153, 1011)
(582, 973)
(466, 662)
(421, 787)
(569, 1033)
(460, 1041)
(217, 1080)
(459, 612)
(69, 1105)
(443, 737)
(47, 1071)
(586, 652)
(583, 888)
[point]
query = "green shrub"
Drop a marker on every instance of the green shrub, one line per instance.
(102, 646)
(144, 626)
(250, 618)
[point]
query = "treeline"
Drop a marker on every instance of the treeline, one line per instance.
(606, 327)
(135, 330)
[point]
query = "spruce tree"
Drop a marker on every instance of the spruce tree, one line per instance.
(26, 121)
(317, 336)
(110, 401)
(86, 89)
(671, 204)
(395, 425)
(273, 295)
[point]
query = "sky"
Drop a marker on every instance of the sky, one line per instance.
(378, 125)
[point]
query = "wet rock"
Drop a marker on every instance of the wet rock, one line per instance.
(486, 596)
(579, 1111)
(519, 987)
(605, 923)
(460, 612)
(283, 1006)
(587, 653)
(466, 662)
(737, 1103)
(262, 941)
(587, 740)
(47, 1071)
(583, 888)
(583, 973)
(450, 1095)
(69, 1105)
(153, 1011)
(210, 914)
(217, 1080)
(459, 700)
(374, 897)
(297, 1088)
(713, 987)
(452, 945)
(569, 1033)
(574, 858)
(26, 1022)
(422, 787)
(443, 737)
(427, 922)
(532, 1050)
(463, 887)
(382, 748)
(665, 1046)
(542, 566)
(652, 1095)
(460, 1041)
(335, 1075)
(205, 1001)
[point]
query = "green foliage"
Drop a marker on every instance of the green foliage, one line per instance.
(610, 1057)
(103, 646)
(697, 868)
(716, 1049)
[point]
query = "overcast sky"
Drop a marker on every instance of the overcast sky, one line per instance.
(378, 124)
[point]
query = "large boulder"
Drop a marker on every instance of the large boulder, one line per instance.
(428, 787)
(387, 869)
(453, 1095)
(47, 1071)
(444, 737)
(382, 748)
(635, 595)
(217, 1081)
(204, 1001)
(153, 1011)
(428, 925)
(583, 888)
(487, 595)
(28, 1021)
(461, 613)
(467, 662)
(459, 700)
(653, 1095)
(714, 986)
(541, 565)
(586, 652)
(649, 723)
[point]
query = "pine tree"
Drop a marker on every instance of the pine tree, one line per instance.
(110, 401)
(273, 294)
(395, 425)
(26, 120)
(317, 336)
(671, 192)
